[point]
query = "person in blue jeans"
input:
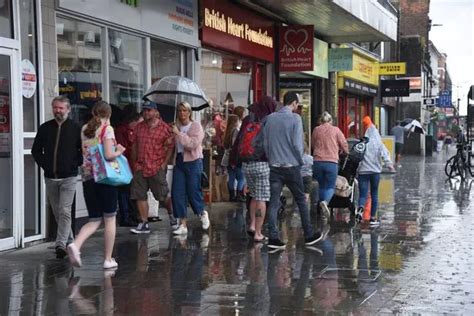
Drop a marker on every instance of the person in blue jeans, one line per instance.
(370, 169)
(328, 142)
(187, 170)
(283, 144)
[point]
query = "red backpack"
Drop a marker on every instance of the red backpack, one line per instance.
(251, 142)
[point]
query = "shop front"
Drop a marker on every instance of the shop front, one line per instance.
(235, 69)
(358, 91)
(114, 50)
(21, 207)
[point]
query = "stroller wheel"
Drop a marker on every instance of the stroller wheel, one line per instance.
(359, 218)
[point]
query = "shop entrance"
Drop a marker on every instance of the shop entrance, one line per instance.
(10, 158)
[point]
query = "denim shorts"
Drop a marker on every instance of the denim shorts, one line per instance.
(101, 199)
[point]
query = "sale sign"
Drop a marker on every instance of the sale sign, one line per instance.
(296, 48)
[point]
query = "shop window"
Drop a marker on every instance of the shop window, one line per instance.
(29, 57)
(126, 69)
(165, 60)
(79, 66)
(6, 20)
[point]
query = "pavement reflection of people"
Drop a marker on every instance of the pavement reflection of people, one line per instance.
(278, 279)
(187, 261)
(327, 293)
(82, 305)
(367, 271)
(256, 298)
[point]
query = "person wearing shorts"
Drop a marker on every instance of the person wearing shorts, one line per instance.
(153, 145)
(101, 199)
(257, 173)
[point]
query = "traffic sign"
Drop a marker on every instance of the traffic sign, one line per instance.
(444, 100)
(429, 101)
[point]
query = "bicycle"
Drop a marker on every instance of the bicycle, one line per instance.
(460, 163)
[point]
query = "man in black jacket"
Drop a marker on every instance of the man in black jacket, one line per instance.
(57, 150)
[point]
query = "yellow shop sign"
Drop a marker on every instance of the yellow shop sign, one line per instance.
(392, 69)
(363, 70)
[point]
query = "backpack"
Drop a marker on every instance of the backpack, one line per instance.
(251, 142)
(357, 151)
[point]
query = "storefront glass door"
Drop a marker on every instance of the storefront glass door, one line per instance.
(8, 229)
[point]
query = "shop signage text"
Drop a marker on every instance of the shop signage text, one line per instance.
(176, 20)
(357, 87)
(132, 3)
(392, 69)
(415, 83)
(364, 70)
(233, 28)
(395, 88)
(28, 78)
(429, 101)
(218, 21)
(340, 59)
(296, 48)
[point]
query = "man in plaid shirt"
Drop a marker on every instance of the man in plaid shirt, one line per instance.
(153, 145)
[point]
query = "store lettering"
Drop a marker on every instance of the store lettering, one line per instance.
(90, 94)
(365, 69)
(132, 3)
(217, 21)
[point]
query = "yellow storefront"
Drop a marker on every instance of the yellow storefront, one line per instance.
(357, 90)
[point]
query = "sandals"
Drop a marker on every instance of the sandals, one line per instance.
(264, 239)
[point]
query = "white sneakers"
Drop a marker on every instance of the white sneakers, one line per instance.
(325, 209)
(181, 230)
(74, 255)
(205, 220)
(110, 264)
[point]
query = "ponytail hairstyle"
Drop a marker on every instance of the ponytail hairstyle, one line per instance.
(101, 110)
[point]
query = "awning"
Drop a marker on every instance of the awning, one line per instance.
(336, 21)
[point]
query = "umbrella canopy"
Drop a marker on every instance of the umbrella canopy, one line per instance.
(414, 127)
(406, 121)
(171, 90)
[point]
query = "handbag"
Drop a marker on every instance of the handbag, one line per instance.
(204, 180)
(116, 172)
(343, 189)
(225, 158)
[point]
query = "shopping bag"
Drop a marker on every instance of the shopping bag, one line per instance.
(116, 172)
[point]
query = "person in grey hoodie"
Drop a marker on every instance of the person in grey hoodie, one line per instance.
(283, 144)
(370, 170)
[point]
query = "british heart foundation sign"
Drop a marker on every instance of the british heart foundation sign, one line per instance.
(296, 48)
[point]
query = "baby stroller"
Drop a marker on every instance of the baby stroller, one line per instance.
(346, 182)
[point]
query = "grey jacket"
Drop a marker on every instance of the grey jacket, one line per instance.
(283, 138)
(375, 154)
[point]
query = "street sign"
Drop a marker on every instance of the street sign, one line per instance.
(444, 100)
(390, 69)
(429, 101)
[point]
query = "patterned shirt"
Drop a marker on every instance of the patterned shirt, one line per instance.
(86, 169)
(152, 146)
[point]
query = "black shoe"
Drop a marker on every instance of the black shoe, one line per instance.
(276, 244)
(154, 219)
(60, 252)
(313, 239)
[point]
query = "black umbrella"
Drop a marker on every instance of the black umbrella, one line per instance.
(171, 90)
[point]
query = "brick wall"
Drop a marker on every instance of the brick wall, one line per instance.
(414, 18)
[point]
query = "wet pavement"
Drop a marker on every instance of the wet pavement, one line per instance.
(418, 261)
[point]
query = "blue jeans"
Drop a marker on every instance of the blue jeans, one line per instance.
(365, 181)
(187, 187)
(325, 173)
(235, 174)
(291, 177)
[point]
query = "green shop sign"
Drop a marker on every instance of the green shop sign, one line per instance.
(132, 3)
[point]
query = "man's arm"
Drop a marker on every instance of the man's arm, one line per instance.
(38, 147)
(298, 137)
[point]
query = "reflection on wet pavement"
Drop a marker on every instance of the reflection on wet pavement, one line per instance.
(418, 261)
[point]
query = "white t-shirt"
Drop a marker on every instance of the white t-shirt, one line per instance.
(182, 129)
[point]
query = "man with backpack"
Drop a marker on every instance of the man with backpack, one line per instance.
(283, 145)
